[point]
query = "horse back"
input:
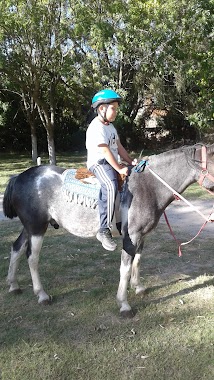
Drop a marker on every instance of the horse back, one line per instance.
(23, 190)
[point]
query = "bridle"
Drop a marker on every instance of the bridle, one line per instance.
(204, 171)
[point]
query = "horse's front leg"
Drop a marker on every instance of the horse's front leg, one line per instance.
(135, 275)
(125, 273)
(33, 261)
(18, 248)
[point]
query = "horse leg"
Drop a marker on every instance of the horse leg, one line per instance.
(135, 276)
(34, 248)
(125, 273)
(17, 250)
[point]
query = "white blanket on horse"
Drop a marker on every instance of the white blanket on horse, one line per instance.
(76, 191)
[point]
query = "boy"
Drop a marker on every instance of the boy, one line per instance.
(103, 146)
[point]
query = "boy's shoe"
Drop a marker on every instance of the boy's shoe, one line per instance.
(105, 238)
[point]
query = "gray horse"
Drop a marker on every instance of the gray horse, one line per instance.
(37, 198)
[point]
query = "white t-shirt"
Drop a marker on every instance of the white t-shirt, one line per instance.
(99, 133)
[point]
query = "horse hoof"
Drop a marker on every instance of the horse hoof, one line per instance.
(46, 302)
(142, 292)
(127, 314)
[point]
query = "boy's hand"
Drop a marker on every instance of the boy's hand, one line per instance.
(124, 170)
(134, 162)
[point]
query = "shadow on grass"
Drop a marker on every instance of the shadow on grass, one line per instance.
(179, 293)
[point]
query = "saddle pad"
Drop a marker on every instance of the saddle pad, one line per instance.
(85, 194)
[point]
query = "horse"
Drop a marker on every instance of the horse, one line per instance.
(36, 197)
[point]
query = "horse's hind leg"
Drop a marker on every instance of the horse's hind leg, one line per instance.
(135, 275)
(17, 250)
(35, 244)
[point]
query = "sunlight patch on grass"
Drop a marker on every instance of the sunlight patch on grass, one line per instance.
(11, 164)
(196, 192)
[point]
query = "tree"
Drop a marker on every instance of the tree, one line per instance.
(35, 46)
(57, 54)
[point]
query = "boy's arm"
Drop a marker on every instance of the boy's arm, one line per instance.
(123, 154)
(111, 159)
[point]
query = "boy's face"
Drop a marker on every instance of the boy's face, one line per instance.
(110, 109)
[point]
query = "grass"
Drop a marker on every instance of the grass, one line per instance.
(81, 336)
(196, 192)
(11, 164)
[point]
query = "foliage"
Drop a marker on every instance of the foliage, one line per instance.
(57, 54)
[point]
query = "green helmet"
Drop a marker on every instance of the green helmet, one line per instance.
(105, 97)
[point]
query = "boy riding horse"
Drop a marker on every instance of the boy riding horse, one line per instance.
(103, 147)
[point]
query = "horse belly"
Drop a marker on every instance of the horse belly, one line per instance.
(76, 219)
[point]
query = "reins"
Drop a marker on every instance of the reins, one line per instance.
(187, 242)
(178, 195)
(204, 174)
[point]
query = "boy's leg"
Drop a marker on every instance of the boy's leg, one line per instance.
(109, 186)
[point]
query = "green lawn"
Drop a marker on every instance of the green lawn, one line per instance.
(11, 164)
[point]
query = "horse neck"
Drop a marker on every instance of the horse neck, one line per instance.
(174, 169)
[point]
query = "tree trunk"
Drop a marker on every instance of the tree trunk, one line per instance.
(30, 111)
(48, 122)
(51, 145)
(34, 144)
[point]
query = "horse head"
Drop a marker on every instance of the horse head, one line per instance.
(206, 178)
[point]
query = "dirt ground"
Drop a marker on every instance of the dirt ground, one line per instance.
(180, 215)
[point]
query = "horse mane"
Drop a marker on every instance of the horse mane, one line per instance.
(191, 150)
(188, 150)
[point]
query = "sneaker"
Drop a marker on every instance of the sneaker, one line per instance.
(105, 238)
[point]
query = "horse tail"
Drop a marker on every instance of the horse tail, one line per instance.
(8, 208)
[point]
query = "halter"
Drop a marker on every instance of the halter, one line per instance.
(204, 171)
